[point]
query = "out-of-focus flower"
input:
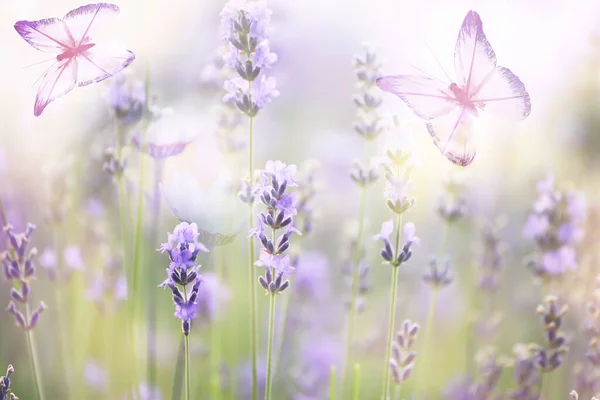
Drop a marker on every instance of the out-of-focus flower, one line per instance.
(311, 280)
(245, 28)
(403, 356)
(94, 375)
(18, 267)
(307, 188)
(167, 135)
(368, 100)
(437, 277)
(5, 391)
(318, 355)
(526, 374)
(212, 295)
(452, 205)
(551, 355)
(144, 391)
(555, 225)
(490, 371)
(127, 98)
(73, 258)
(217, 214)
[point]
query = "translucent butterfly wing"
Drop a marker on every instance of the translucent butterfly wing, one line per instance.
(60, 79)
(474, 58)
(426, 97)
(84, 22)
(493, 88)
(101, 62)
(504, 95)
(452, 134)
(49, 34)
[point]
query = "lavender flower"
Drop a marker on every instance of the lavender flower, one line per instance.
(245, 27)
(452, 206)
(275, 179)
(437, 277)
(5, 392)
(490, 370)
(551, 356)
(126, 96)
(403, 357)
(389, 253)
(554, 224)
(108, 288)
(398, 167)
(212, 294)
(491, 257)
(367, 100)
(587, 373)
(526, 374)
(575, 396)
(183, 247)
(18, 267)
(317, 355)
(307, 190)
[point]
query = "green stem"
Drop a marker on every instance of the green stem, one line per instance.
(356, 382)
(386, 382)
(354, 287)
(34, 357)
(392, 315)
(270, 344)
(151, 363)
(429, 329)
(215, 347)
(543, 386)
(396, 392)
(187, 354)
(332, 391)
(252, 280)
(63, 326)
(187, 367)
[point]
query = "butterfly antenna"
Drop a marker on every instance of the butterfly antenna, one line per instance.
(38, 63)
(428, 74)
(44, 74)
(438, 62)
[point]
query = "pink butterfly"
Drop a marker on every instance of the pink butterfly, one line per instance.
(449, 109)
(80, 61)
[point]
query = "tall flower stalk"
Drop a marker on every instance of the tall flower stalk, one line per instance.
(246, 30)
(368, 125)
(184, 281)
(393, 253)
(275, 180)
(18, 267)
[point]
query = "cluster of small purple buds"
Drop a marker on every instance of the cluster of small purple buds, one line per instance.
(575, 396)
(398, 256)
(491, 259)
(113, 164)
(397, 174)
(368, 100)
(526, 374)
(438, 277)
(362, 175)
(490, 371)
(183, 248)
(280, 211)
(555, 225)
(403, 357)
(18, 267)
(551, 356)
(5, 392)
(592, 331)
(246, 31)
(127, 98)
(452, 206)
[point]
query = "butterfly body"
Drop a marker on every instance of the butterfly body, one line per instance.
(74, 52)
(79, 60)
(481, 84)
